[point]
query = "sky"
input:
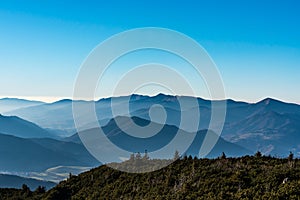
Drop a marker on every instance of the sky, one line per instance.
(255, 44)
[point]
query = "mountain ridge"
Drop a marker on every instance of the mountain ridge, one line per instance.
(29, 155)
(59, 116)
(166, 133)
(16, 126)
(266, 99)
(13, 181)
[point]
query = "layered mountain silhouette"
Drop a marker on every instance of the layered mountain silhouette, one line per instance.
(134, 144)
(268, 131)
(21, 155)
(269, 126)
(9, 104)
(18, 127)
(13, 181)
(57, 115)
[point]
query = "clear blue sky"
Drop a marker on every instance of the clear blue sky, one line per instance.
(255, 44)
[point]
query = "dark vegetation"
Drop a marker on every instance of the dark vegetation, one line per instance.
(248, 177)
(23, 193)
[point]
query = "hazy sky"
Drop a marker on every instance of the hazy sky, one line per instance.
(255, 44)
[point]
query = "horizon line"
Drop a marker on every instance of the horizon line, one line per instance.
(53, 99)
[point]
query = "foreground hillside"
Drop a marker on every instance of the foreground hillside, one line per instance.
(247, 177)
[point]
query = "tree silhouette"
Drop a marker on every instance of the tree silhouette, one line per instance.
(176, 155)
(258, 154)
(223, 156)
(291, 157)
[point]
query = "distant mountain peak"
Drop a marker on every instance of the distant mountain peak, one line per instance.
(162, 94)
(165, 97)
(21, 100)
(125, 119)
(270, 101)
(63, 101)
(267, 101)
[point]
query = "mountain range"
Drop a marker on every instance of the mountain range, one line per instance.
(133, 144)
(18, 127)
(9, 104)
(13, 181)
(39, 154)
(269, 126)
(36, 137)
(27, 155)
